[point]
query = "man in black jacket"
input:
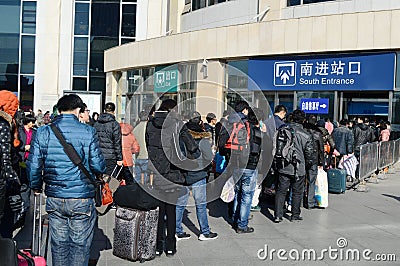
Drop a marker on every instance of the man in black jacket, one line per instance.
(167, 176)
(317, 162)
(244, 160)
(343, 138)
(110, 137)
(295, 174)
(362, 135)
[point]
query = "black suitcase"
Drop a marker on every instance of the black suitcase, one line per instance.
(8, 252)
(135, 234)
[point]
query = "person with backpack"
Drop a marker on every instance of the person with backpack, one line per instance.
(317, 162)
(168, 177)
(293, 149)
(242, 147)
(196, 181)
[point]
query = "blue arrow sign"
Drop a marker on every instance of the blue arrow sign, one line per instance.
(315, 105)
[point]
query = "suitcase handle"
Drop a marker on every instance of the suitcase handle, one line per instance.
(36, 242)
(115, 169)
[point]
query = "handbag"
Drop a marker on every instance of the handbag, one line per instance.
(76, 159)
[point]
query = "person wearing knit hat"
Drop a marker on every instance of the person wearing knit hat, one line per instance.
(9, 181)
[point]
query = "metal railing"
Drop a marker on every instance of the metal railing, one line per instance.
(397, 151)
(377, 156)
(386, 154)
(369, 154)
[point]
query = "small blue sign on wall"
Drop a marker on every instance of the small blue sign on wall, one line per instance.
(315, 105)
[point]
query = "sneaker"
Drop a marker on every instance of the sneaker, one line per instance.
(182, 236)
(255, 209)
(158, 253)
(170, 253)
(278, 220)
(245, 230)
(296, 218)
(210, 236)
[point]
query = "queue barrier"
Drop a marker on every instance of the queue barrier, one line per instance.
(369, 154)
(386, 154)
(377, 156)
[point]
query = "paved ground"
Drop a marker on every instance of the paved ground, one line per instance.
(365, 220)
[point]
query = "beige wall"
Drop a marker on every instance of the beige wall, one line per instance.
(333, 33)
(210, 89)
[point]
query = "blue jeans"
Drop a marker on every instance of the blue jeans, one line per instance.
(141, 167)
(200, 198)
(244, 191)
(71, 227)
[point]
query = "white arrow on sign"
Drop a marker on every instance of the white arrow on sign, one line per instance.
(285, 77)
(323, 106)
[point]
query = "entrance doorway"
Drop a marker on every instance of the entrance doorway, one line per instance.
(373, 105)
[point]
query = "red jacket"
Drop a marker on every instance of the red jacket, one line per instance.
(129, 144)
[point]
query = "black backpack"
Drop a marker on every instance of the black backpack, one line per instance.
(283, 148)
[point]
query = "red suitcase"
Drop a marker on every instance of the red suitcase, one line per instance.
(27, 258)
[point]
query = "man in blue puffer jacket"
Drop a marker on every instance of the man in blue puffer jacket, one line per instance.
(70, 195)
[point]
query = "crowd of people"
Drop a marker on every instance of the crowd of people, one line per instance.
(32, 155)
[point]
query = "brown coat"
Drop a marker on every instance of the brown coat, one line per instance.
(129, 144)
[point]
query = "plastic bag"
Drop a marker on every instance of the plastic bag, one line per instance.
(321, 189)
(228, 191)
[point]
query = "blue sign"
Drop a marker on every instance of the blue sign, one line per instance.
(324, 73)
(315, 105)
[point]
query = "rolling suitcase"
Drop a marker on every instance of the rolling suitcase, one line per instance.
(135, 234)
(34, 257)
(336, 180)
(8, 252)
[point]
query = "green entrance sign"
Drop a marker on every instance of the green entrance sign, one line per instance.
(166, 80)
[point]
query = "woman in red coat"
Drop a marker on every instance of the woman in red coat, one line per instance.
(130, 146)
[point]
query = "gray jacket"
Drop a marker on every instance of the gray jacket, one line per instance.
(139, 131)
(303, 144)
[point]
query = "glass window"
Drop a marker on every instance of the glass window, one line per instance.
(105, 19)
(28, 55)
(128, 28)
(148, 79)
(9, 50)
(286, 99)
(127, 40)
(188, 76)
(197, 4)
(26, 92)
(134, 80)
(304, 2)
(80, 56)
(29, 17)
(10, 16)
(9, 81)
(212, 2)
(396, 108)
(97, 47)
(81, 19)
(237, 74)
(187, 102)
(79, 84)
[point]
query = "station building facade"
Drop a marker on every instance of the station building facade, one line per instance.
(336, 59)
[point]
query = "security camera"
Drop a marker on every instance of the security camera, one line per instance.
(205, 63)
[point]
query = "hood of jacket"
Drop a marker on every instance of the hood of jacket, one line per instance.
(8, 102)
(200, 135)
(160, 117)
(236, 117)
(126, 129)
(363, 126)
(105, 118)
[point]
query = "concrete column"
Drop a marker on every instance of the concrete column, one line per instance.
(210, 88)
